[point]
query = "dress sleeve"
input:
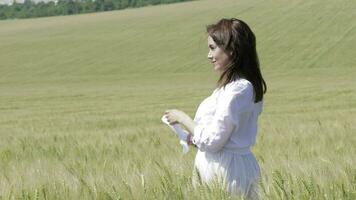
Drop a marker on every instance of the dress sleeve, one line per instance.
(231, 103)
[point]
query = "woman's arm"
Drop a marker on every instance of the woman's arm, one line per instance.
(188, 123)
(232, 102)
(177, 116)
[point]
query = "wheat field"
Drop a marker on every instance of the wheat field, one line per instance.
(82, 97)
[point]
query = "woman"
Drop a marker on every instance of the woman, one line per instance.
(225, 125)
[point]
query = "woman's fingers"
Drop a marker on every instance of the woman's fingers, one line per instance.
(171, 117)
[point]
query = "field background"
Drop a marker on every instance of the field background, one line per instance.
(81, 99)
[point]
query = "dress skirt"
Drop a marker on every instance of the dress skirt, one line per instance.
(237, 171)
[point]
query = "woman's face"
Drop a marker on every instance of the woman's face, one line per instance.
(217, 56)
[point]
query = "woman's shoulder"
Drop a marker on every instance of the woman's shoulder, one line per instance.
(239, 85)
(238, 94)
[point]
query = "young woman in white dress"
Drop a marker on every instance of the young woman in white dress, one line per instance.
(225, 125)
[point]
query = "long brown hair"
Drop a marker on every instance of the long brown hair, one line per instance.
(237, 40)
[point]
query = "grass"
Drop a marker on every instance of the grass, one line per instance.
(82, 96)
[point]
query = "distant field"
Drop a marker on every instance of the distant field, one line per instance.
(82, 97)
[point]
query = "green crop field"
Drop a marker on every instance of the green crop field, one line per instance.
(81, 99)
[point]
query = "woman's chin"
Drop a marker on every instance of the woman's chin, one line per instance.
(217, 69)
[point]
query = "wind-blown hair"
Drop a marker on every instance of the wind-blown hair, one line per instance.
(237, 40)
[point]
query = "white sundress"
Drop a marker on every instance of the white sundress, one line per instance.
(226, 130)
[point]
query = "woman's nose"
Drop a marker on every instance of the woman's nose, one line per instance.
(210, 55)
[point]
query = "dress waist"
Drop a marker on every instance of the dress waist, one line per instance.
(240, 151)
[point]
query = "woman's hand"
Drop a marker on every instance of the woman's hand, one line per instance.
(174, 116)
